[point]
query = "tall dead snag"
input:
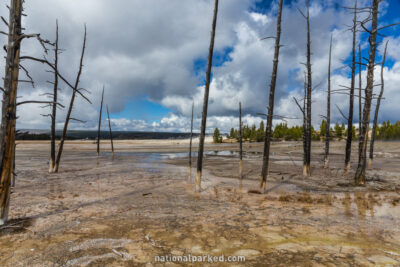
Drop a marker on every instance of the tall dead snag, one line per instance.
(8, 118)
(9, 103)
(359, 96)
(378, 104)
(190, 146)
(71, 104)
(99, 128)
(205, 103)
(240, 143)
(328, 111)
(54, 107)
(352, 87)
(360, 173)
(109, 127)
(303, 111)
(307, 111)
(268, 132)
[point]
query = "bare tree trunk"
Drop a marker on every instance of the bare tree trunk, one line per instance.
(71, 104)
(305, 127)
(360, 173)
(303, 111)
(99, 128)
(359, 100)
(54, 108)
(267, 142)
(109, 127)
(190, 146)
(13, 174)
(307, 170)
(351, 104)
(328, 112)
(240, 143)
(8, 118)
(378, 104)
(205, 104)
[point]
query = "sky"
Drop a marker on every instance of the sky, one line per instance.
(151, 57)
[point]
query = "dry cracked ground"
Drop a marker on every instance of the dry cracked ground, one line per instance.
(127, 209)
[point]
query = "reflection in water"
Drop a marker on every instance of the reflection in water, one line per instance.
(347, 205)
(362, 203)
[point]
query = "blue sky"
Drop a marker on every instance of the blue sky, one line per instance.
(156, 69)
(140, 107)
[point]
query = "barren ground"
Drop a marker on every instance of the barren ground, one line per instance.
(125, 210)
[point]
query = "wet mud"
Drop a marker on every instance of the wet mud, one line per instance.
(127, 209)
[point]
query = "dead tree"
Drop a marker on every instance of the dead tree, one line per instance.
(303, 111)
(76, 90)
(8, 119)
(328, 111)
(54, 107)
(268, 132)
(307, 111)
(360, 173)
(359, 95)
(99, 128)
(205, 103)
(9, 103)
(240, 143)
(352, 87)
(190, 146)
(109, 127)
(378, 104)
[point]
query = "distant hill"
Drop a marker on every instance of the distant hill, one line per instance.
(92, 135)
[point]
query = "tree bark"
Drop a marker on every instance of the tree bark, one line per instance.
(190, 146)
(240, 143)
(352, 87)
(328, 111)
(267, 142)
(71, 104)
(99, 128)
(360, 173)
(111, 135)
(205, 103)
(54, 108)
(8, 119)
(307, 169)
(378, 104)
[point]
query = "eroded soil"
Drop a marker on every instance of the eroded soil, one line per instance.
(125, 210)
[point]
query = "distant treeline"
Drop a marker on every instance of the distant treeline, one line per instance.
(92, 135)
(386, 131)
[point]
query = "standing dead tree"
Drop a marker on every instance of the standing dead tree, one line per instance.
(205, 103)
(54, 107)
(303, 111)
(75, 91)
(378, 104)
(68, 118)
(190, 146)
(352, 88)
(360, 173)
(9, 103)
(359, 97)
(328, 111)
(99, 127)
(268, 132)
(240, 142)
(307, 111)
(110, 129)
